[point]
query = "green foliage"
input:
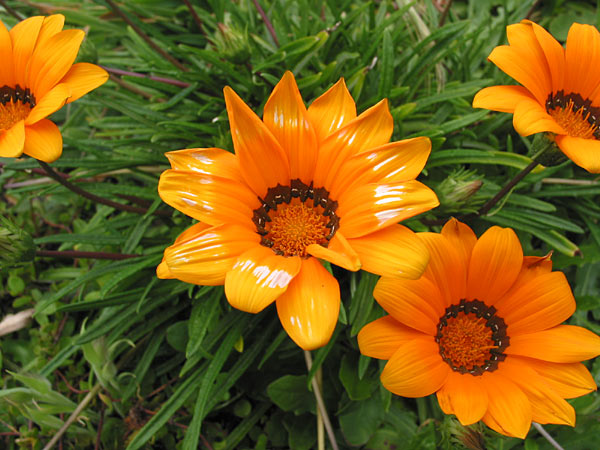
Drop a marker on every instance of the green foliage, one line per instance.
(177, 367)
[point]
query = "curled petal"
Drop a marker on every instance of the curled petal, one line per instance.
(338, 252)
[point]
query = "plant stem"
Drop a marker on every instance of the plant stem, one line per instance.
(73, 254)
(104, 201)
(320, 403)
(445, 13)
(11, 11)
(267, 22)
(547, 436)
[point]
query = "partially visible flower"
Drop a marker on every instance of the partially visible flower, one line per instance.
(16, 245)
(482, 329)
(304, 185)
(37, 77)
(561, 88)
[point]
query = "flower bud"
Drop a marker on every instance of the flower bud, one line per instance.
(232, 43)
(16, 245)
(547, 151)
(457, 190)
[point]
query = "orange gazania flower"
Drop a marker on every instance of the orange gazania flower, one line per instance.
(560, 92)
(482, 329)
(37, 77)
(304, 185)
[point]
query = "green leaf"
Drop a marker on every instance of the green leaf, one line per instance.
(290, 394)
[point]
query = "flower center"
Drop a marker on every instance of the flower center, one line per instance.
(293, 217)
(15, 105)
(472, 338)
(577, 116)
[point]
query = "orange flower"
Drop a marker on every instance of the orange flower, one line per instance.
(304, 184)
(37, 77)
(482, 329)
(560, 92)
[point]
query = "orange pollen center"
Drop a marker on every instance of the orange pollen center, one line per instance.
(15, 105)
(471, 337)
(575, 115)
(293, 217)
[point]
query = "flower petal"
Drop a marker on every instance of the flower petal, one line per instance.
(7, 76)
(263, 162)
(309, 309)
(583, 152)
(209, 161)
(415, 303)
(582, 58)
(371, 207)
(554, 53)
(208, 198)
(465, 396)
(562, 344)
(395, 251)
(530, 117)
(286, 117)
(461, 237)
(83, 78)
(162, 271)
(416, 369)
(43, 141)
(52, 25)
(203, 255)
(259, 277)
(338, 252)
(381, 338)
(501, 98)
(24, 36)
(389, 163)
(332, 110)
(544, 302)
(49, 103)
(12, 140)
(369, 130)
(495, 263)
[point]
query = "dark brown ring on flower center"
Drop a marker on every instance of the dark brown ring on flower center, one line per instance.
(318, 209)
(16, 94)
(484, 327)
(589, 113)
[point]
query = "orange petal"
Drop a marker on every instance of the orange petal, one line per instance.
(49, 103)
(338, 252)
(52, 60)
(12, 140)
(286, 117)
(562, 344)
(531, 117)
(7, 76)
(209, 161)
(495, 263)
(416, 369)
(259, 277)
(546, 405)
(416, 303)
(332, 110)
(395, 251)
(509, 409)
(446, 269)
(24, 36)
(208, 198)
(202, 255)
(43, 141)
(461, 237)
(162, 271)
(569, 380)
(501, 98)
(555, 55)
(371, 207)
(465, 396)
(544, 302)
(583, 152)
(533, 267)
(369, 130)
(263, 162)
(381, 338)
(389, 163)
(82, 78)
(582, 58)
(52, 25)
(309, 309)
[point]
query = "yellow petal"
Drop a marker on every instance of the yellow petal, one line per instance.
(461, 237)
(465, 396)
(24, 36)
(309, 309)
(582, 58)
(258, 277)
(286, 117)
(208, 161)
(338, 252)
(332, 110)
(530, 117)
(49, 103)
(52, 25)
(371, 207)
(7, 76)
(555, 56)
(82, 78)
(12, 140)
(501, 98)
(263, 162)
(381, 338)
(202, 255)
(583, 152)
(395, 251)
(43, 141)
(416, 369)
